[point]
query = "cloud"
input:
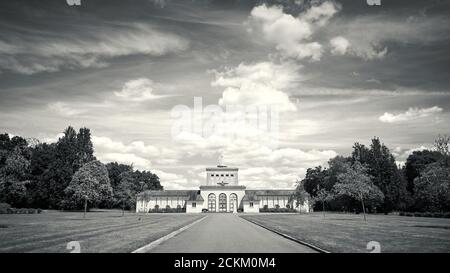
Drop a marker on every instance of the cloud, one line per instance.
(292, 35)
(30, 55)
(401, 155)
(368, 34)
(137, 90)
(258, 84)
(129, 159)
(413, 113)
(63, 109)
(339, 45)
(107, 145)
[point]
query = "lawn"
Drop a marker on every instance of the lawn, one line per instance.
(349, 232)
(102, 231)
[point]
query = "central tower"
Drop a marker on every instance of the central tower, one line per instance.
(222, 175)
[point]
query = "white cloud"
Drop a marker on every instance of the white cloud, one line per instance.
(54, 54)
(63, 109)
(401, 155)
(339, 45)
(292, 35)
(137, 90)
(107, 145)
(258, 84)
(124, 158)
(413, 113)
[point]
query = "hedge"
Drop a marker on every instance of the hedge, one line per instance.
(426, 214)
(277, 210)
(6, 209)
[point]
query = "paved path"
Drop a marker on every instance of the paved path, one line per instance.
(228, 233)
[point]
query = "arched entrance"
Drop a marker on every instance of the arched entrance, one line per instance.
(222, 202)
(212, 202)
(233, 202)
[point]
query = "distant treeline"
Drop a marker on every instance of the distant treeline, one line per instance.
(371, 178)
(66, 174)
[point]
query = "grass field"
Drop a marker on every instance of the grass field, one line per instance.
(105, 231)
(349, 233)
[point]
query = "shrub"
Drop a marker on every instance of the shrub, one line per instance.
(5, 208)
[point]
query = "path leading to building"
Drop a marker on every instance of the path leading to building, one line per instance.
(228, 233)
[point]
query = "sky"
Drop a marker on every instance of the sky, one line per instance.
(156, 81)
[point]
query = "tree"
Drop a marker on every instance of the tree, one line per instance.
(433, 189)
(356, 183)
(115, 170)
(416, 163)
(300, 195)
(322, 196)
(90, 184)
(442, 144)
(124, 192)
(314, 176)
(13, 179)
(384, 173)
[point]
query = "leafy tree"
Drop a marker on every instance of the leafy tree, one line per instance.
(384, 173)
(13, 179)
(442, 144)
(115, 170)
(85, 147)
(300, 195)
(322, 196)
(433, 189)
(313, 178)
(416, 163)
(356, 183)
(125, 193)
(90, 184)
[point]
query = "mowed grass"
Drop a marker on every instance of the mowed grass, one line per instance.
(104, 231)
(349, 233)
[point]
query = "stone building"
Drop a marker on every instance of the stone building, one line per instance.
(220, 193)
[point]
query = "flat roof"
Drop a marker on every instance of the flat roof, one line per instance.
(221, 169)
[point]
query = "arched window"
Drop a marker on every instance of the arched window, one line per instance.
(222, 202)
(233, 202)
(212, 202)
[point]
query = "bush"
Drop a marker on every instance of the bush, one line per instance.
(426, 214)
(270, 210)
(167, 210)
(5, 208)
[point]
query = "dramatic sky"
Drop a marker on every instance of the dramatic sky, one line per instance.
(337, 72)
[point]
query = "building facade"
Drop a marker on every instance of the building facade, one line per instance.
(220, 193)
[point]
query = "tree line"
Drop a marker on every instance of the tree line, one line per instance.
(370, 181)
(66, 175)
